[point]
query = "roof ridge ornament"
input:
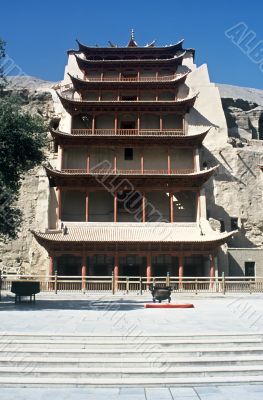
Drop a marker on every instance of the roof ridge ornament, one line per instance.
(132, 42)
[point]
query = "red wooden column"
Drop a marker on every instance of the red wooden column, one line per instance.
(88, 163)
(143, 208)
(59, 205)
(115, 124)
(116, 270)
(171, 207)
(87, 207)
(212, 269)
(115, 207)
(51, 265)
(149, 267)
(93, 125)
(142, 164)
(115, 164)
(83, 271)
(169, 162)
(181, 268)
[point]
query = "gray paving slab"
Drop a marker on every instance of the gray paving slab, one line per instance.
(183, 393)
(158, 393)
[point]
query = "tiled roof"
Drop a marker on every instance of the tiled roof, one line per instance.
(133, 232)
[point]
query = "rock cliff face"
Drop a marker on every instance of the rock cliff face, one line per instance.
(235, 192)
(19, 255)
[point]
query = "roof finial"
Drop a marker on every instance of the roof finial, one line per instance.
(132, 42)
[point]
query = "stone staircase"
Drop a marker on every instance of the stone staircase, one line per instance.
(77, 360)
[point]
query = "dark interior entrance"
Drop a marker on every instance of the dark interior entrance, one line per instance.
(250, 268)
(69, 265)
(128, 124)
(101, 265)
(132, 266)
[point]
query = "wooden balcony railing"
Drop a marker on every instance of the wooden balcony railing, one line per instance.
(99, 171)
(137, 284)
(167, 78)
(128, 132)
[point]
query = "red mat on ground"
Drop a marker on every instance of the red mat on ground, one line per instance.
(169, 305)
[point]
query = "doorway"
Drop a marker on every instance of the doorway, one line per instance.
(132, 265)
(69, 265)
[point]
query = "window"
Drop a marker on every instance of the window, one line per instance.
(234, 223)
(128, 154)
(250, 268)
(222, 225)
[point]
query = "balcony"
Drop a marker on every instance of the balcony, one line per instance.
(100, 171)
(128, 132)
(168, 78)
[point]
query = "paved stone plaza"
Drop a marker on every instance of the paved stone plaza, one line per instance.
(244, 392)
(120, 314)
(103, 314)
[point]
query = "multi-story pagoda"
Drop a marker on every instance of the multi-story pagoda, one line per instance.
(126, 194)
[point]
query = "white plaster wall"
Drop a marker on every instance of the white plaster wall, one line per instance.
(181, 158)
(73, 205)
(75, 158)
(155, 158)
(100, 155)
(128, 164)
(101, 206)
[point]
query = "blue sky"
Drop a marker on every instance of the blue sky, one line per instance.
(39, 33)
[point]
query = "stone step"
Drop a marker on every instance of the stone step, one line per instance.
(151, 336)
(141, 346)
(137, 372)
(101, 353)
(159, 381)
(130, 362)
